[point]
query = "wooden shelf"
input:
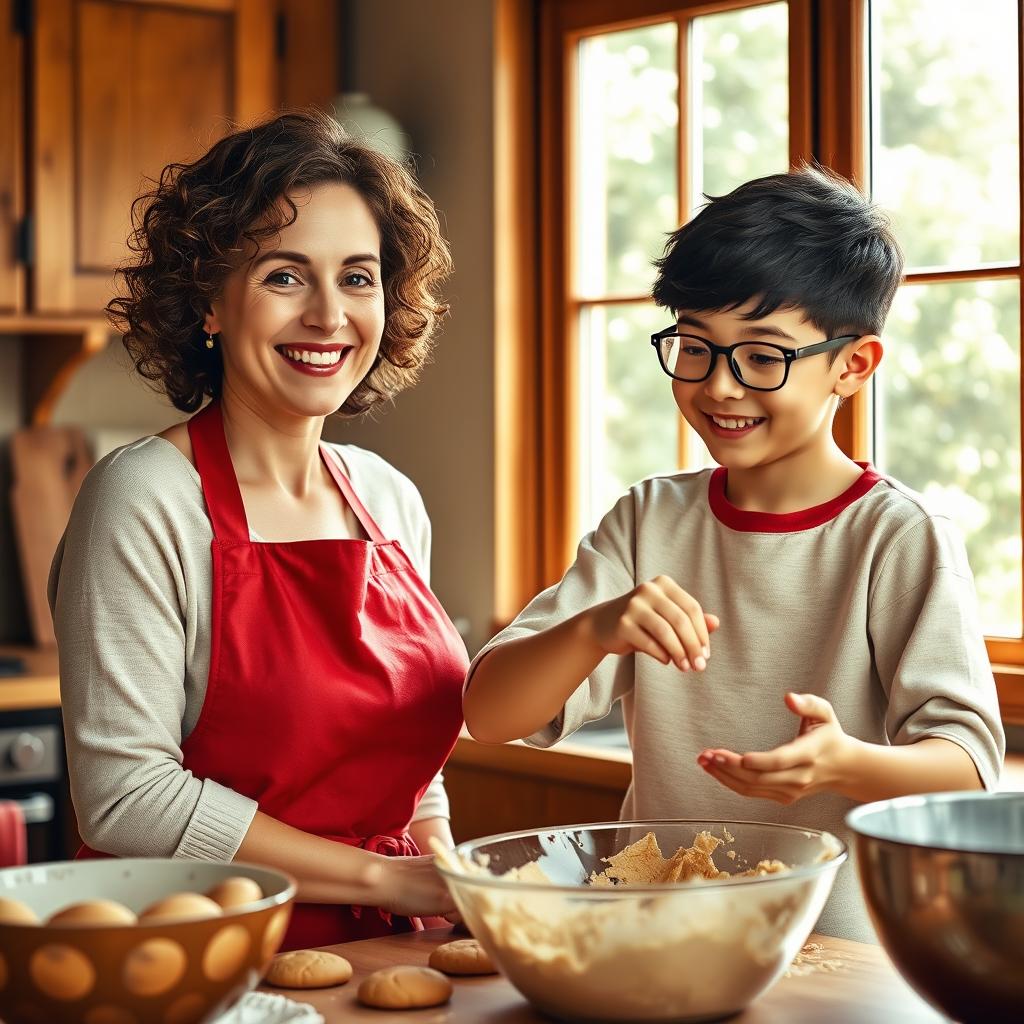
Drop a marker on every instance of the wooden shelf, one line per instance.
(54, 349)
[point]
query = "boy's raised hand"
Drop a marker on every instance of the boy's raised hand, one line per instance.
(815, 761)
(658, 618)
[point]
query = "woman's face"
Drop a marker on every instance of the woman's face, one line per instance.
(300, 323)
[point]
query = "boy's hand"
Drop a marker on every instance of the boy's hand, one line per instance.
(658, 618)
(815, 761)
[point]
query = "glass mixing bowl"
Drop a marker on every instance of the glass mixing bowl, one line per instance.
(687, 951)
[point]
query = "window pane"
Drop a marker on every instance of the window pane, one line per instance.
(739, 97)
(626, 186)
(629, 424)
(945, 127)
(947, 423)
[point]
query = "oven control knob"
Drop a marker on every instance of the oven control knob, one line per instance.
(27, 752)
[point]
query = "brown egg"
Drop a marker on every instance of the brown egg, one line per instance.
(179, 907)
(15, 912)
(235, 892)
(94, 912)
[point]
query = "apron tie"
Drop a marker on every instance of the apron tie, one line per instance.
(387, 846)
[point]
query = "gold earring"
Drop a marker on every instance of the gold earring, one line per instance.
(209, 341)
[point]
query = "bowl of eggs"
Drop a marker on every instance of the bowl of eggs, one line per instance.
(136, 941)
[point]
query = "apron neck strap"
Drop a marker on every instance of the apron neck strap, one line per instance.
(220, 485)
(367, 521)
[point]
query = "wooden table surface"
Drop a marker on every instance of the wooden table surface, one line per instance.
(865, 990)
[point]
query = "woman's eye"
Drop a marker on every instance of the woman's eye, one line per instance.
(357, 279)
(284, 277)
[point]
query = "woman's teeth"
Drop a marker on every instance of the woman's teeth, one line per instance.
(736, 424)
(304, 355)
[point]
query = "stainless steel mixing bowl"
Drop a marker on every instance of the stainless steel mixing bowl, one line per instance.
(673, 952)
(943, 877)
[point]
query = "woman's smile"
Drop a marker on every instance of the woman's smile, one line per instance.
(315, 360)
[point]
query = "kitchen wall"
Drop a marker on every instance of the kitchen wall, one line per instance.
(434, 76)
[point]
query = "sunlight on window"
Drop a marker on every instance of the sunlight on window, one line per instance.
(739, 95)
(629, 425)
(626, 187)
(945, 128)
(948, 424)
(944, 161)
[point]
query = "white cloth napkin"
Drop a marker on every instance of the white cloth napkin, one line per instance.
(266, 1008)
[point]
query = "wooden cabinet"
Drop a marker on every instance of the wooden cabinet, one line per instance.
(12, 283)
(96, 96)
(120, 89)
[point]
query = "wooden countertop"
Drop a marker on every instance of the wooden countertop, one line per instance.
(865, 989)
(39, 688)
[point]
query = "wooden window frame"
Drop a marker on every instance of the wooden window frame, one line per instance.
(536, 444)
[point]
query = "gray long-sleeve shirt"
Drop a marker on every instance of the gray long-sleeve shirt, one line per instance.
(867, 601)
(130, 591)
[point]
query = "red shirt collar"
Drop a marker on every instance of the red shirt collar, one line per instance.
(786, 522)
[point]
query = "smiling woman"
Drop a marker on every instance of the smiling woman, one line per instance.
(252, 662)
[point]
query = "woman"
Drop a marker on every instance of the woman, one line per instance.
(252, 663)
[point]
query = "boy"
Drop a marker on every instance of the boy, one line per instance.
(790, 633)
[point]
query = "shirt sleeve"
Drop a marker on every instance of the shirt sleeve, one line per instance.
(603, 569)
(929, 646)
(434, 802)
(118, 594)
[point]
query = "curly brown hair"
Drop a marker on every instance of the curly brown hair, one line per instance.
(202, 218)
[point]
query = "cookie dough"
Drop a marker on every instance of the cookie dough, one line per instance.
(642, 863)
(405, 988)
(463, 956)
(308, 968)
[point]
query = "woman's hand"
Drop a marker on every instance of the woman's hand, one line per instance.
(412, 887)
(820, 758)
(658, 618)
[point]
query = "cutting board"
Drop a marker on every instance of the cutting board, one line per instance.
(48, 465)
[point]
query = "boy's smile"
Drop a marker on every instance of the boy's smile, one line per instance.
(731, 425)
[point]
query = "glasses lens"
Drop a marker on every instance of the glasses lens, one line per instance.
(760, 366)
(685, 358)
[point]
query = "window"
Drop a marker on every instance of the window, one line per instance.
(943, 155)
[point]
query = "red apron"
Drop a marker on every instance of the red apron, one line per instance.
(335, 686)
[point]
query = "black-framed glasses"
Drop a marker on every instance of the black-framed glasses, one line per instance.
(758, 365)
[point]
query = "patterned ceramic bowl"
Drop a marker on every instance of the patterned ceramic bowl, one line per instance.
(182, 971)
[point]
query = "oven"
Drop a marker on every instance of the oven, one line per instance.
(33, 774)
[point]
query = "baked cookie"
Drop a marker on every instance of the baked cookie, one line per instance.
(405, 988)
(308, 968)
(463, 956)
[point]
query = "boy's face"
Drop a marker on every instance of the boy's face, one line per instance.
(743, 427)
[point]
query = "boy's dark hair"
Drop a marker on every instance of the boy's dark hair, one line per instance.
(806, 240)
